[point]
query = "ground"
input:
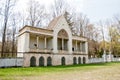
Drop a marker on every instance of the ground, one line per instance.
(101, 71)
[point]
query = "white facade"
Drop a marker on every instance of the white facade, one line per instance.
(55, 42)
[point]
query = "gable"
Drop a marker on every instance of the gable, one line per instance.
(58, 22)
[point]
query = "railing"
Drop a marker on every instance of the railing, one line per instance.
(63, 51)
(41, 50)
(78, 52)
(59, 51)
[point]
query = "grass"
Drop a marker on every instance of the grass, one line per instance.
(39, 72)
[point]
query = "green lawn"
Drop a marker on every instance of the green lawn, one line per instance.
(62, 72)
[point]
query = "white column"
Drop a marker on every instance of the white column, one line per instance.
(70, 45)
(81, 46)
(86, 47)
(45, 42)
(62, 44)
(76, 45)
(26, 42)
(55, 44)
(37, 42)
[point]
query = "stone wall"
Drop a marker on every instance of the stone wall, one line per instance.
(56, 59)
(102, 60)
(11, 62)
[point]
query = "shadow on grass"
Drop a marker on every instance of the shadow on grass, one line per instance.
(82, 65)
(77, 65)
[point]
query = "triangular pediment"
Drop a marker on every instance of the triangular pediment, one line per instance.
(57, 22)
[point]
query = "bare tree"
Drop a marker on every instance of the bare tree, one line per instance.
(13, 35)
(36, 13)
(8, 5)
(58, 8)
(117, 19)
(102, 26)
(81, 22)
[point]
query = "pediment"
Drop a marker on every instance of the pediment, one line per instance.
(58, 22)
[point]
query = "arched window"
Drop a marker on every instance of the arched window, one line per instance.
(74, 60)
(49, 61)
(62, 33)
(41, 61)
(84, 60)
(32, 61)
(63, 61)
(79, 60)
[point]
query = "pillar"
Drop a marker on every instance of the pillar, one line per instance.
(55, 44)
(86, 47)
(45, 42)
(62, 44)
(76, 45)
(37, 42)
(81, 47)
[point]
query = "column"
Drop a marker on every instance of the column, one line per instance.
(37, 42)
(86, 47)
(70, 45)
(81, 47)
(45, 42)
(76, 45)
(62, 44)
(55, 44)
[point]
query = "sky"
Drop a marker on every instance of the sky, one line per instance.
(95, 10)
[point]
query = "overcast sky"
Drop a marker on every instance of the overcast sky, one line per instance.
(94, 9)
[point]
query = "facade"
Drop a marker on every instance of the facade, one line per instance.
(54, 45)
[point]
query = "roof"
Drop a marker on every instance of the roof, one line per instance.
(33, 27)
(54, 22)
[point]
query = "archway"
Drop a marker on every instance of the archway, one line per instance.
(79, 60)
(49, 61)
(62, 40)
(84, 60)
(74, 60)
(32, 61)
(63, 61)
(41, 61)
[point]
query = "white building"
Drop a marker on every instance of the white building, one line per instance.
(54, 45)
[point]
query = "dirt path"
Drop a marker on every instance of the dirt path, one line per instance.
(108, 73)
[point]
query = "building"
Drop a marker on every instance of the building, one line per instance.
(54, 45)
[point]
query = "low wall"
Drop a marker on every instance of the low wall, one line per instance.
(102, 60)
(11, 62)
(95, 60)
(17, 62)
(116, 59)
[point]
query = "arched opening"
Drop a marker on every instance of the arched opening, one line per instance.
(79, 60)
(49, 61)
(84, 60)
(63, 61)
(62, 40)
(32, 61)
(41, 61)
(74, 60)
